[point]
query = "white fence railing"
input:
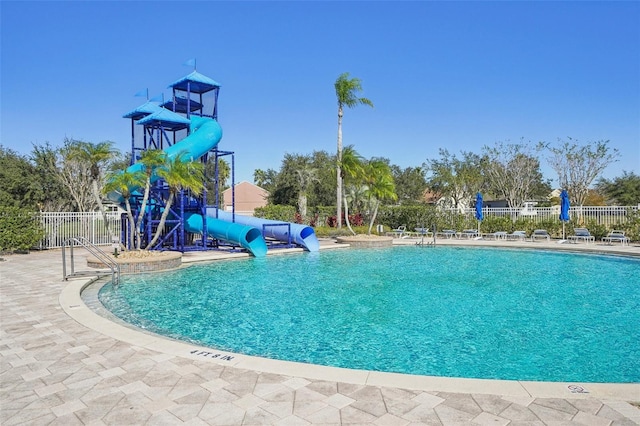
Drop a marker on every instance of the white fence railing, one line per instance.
(602, 215)
(60, 226)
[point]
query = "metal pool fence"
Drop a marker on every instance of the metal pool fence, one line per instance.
(60, 226)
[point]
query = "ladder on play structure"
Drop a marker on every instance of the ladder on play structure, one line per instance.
(97, 252)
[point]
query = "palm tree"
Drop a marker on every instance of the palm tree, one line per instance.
(352, 173)
(179, 175)
(347, 90)
(122, 183)
(306, 176)
(96, 156)
(151, 160)
(380, 185)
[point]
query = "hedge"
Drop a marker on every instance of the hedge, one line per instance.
(19, 229)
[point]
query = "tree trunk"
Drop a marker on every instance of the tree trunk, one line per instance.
(163, 219)
(373, 217)
(339, 170)
(302, 204)
(346, 215)
(132, 224)
(96, 193)
(143, 206)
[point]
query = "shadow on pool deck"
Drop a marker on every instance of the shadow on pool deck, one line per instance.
(55, 369)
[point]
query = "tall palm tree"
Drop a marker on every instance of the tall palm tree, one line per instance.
(380, 185)
(352, 173)
(122, 183)
(179, 174)
(151, 160)
(347, 90)
(96, 156)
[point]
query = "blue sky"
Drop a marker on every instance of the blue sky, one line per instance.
(455, 75)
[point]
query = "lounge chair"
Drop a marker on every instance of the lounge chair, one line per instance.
(468, 233)
(398, 232)
(517, 235)
(446, 233)
(540, 234)
(581, 234)
(498, 235)
(422, 232)
(616, 236)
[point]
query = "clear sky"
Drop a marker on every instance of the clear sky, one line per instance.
(455, 75)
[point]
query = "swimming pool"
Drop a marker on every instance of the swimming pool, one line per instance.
(445, 311)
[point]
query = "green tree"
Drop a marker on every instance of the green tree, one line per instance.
(56, 195)
(286, 188)
(97, 156)
(18, 188)
(456, 180)
(622, 190)
(579, 165)
(347, 90)
(410, 184)
(380, 186)
(307, 175)
(323, 191)
(123, 183)
(265, 179)
(179, 175)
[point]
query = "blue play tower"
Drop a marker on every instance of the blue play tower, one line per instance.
(187, 125)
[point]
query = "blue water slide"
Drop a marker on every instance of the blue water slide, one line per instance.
(205, 133)
(301, 235)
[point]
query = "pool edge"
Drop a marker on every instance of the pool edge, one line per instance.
(71, 302)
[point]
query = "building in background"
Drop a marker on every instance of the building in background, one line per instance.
(248, 197)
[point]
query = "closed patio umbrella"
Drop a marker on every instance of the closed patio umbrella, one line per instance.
(564, 209)
(479, 209)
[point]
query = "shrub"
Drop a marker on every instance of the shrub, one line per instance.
(276, 212)
(19, 229)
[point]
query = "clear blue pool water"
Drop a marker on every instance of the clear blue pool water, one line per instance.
(444, 311)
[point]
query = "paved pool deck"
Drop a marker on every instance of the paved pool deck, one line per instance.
(61, 362)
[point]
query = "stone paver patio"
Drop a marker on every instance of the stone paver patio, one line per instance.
(55, 370)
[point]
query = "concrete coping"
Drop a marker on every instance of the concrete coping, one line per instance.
(72, 303)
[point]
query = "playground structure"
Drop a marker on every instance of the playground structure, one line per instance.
(187, 126)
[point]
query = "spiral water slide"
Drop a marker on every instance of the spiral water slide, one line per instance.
(205, 133)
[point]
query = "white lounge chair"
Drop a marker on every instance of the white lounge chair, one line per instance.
(540, 234)
(581, 234)
(498, 235)
(398, 232)
(446, 233)
(517, 235)
(468, 233)
(616, 236)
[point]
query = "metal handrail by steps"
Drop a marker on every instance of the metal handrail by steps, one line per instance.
(95, 251)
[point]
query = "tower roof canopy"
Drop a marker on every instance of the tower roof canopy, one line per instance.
(181, 105)
(142, 111)
(165, 119)
(196, 82)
